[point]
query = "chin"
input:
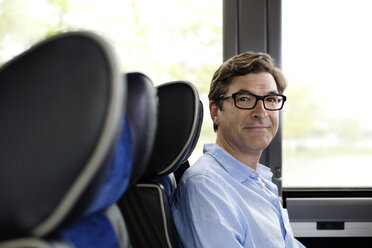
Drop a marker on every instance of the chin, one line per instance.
(259, 146)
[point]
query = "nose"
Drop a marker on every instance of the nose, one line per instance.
(259, 111)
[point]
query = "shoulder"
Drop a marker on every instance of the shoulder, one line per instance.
(204, 204)
(205, 182)
(205, 169)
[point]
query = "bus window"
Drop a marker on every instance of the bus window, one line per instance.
(326, 51)
(167, 40)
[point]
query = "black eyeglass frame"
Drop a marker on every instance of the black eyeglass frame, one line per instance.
(262, 98)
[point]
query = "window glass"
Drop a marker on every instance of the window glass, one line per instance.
(166, 39)
(327, 130)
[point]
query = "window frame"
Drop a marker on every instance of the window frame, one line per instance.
(255, 25)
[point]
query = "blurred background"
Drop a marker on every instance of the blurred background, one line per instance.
(326, 56)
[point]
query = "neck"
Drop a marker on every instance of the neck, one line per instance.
(248, 157)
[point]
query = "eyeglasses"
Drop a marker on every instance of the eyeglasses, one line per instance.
(246, 100)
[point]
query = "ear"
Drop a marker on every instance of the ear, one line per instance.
(213, 109)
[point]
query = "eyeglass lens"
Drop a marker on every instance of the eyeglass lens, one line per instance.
(248, 101)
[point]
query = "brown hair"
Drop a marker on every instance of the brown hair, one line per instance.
(239, 65)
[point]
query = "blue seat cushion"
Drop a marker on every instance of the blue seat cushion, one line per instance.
(118, 174)
(93, 231)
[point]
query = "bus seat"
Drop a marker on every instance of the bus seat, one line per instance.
(65, 147)
(145, 206)
(142, 107)
(141, 115)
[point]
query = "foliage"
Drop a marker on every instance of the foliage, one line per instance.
(23, 23)
(302, 112)
(168, 40)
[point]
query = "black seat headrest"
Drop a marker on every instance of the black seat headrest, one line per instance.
(142, 107)
(179, 121)
(61, 106)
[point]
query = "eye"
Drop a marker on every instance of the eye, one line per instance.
(273, 99)
(244, 98)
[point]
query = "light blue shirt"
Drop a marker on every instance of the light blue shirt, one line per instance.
(220, 202)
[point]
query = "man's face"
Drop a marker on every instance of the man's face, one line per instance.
(247, 130)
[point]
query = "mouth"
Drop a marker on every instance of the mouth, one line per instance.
(257, 127)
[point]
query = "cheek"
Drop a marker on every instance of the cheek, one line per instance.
(274, 117)
(228, 117)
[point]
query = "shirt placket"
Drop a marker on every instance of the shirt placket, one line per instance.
(272, 198)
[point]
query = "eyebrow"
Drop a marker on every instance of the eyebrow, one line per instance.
(273, 92)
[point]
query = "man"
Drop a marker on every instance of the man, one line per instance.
(227, 199)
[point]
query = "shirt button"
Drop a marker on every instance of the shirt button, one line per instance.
(253, 175)
(263, 184)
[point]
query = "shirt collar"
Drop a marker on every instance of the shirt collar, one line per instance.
(234, 167)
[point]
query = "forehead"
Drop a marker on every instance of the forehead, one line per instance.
(258, 83)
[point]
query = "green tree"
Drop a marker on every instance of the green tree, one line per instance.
(22, 24)
(347, 129)
(303, 113)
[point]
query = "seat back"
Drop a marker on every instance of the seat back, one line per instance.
(142, 107)
(145, 206)
(141, 112)
(65, 147)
